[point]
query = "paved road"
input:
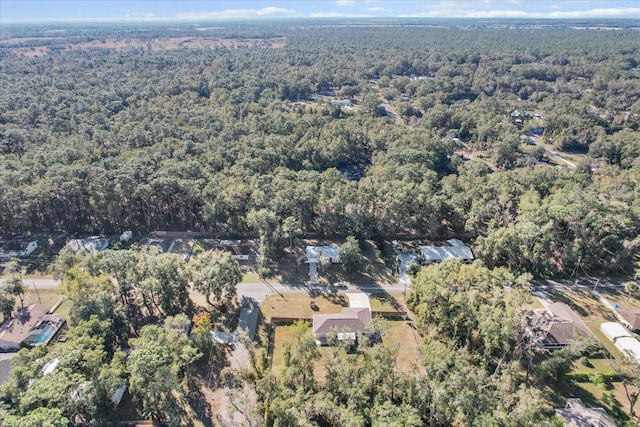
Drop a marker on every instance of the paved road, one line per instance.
(259, 291)
(39, 283)
(578, 285)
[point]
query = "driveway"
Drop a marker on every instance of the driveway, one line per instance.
(245, 331)
(405, 259)
(358, 300)
(230, 413)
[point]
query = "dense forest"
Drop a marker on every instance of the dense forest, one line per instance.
(235, 140)
(522, 139)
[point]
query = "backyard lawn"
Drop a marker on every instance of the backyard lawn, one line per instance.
(400, 336)
(387, 303)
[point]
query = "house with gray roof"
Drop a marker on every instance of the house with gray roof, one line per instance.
(629, 317)
(557, 327)
(351, 323)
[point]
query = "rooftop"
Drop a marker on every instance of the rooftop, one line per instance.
(90, 245)
(558, 326)
(355, 320)
(451, 249)
(631, 316)
(16, 330)
(577, 414)
(313, 252)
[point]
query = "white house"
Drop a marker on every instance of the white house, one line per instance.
(17, 249)
(315, 252)
(90, 245)
(451, 249)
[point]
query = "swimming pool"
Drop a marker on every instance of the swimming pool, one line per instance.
(45, 335)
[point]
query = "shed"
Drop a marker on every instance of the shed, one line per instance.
(222, 337)
(614, 331)
(622, 339)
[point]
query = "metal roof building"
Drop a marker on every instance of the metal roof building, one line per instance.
(622, 339)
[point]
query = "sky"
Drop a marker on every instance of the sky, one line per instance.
(54, 10)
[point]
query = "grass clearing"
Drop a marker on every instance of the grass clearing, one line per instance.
(621, 298)
(602, 366)
(298, 306)
(401, 337)
(250, 277)
(594, 395)
(610, 397)
(387, 303)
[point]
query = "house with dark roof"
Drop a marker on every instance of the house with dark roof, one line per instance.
(629, 317)
(351, 323)
(576, 414)
(557, 327)
(238, 251)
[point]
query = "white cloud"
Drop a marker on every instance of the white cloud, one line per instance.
(242, 13)
(625, 12)
(344, 2)
(140, 16)
(375, 9)
(338, 15)
(457, 12)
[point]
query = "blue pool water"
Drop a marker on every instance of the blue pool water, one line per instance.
(45, 335)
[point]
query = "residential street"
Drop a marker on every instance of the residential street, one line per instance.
(259, 291)
(39, 283)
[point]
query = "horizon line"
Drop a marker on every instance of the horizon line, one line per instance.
(142, 19)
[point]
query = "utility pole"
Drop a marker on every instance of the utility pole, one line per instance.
(37, 293)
